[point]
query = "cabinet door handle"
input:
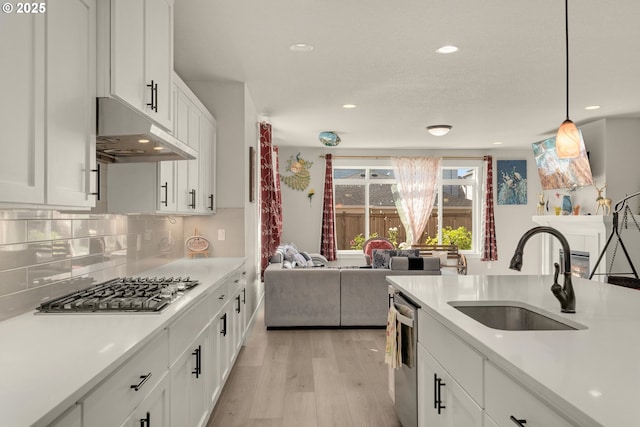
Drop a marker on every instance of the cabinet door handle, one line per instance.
(193, 199)
(435, 388)
(224, 325)
(154, 91)
(518, 422)
(97, 171)
(146, 421)
(166, 194)
(210, 202)
(198, 354)
(244, 295)
(143, 379)
(238, 304)
(439, 385)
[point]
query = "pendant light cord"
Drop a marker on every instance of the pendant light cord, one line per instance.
(566, 33)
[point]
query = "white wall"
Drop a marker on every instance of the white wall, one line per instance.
(235, 112)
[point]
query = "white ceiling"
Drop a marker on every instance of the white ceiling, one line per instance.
(506, 83)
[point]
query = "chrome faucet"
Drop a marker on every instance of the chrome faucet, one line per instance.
(565, 293)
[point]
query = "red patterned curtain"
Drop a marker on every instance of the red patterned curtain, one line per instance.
(270, 197)
(490, 249)
(328, 247)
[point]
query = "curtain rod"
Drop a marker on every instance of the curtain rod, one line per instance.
(388, 157)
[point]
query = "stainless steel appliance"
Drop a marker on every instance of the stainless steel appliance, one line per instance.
(406, 376)
(126, 135)
(128, 295)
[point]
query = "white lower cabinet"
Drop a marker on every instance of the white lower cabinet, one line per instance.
(153, 411)
(113, 402)
(189, 377)
(176, 379)
(508, 403)
(442, 401)
(459, 386)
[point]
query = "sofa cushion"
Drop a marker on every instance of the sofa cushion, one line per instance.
(411, 263)
(381, 257)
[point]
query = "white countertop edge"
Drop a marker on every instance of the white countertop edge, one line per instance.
(37, 416)
(456, 321)
(569, 411)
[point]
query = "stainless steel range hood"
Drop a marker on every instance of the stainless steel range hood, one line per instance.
(121, 130)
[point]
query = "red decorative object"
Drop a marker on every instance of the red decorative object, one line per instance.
(270, 197)
(328, 247)
(490, 248)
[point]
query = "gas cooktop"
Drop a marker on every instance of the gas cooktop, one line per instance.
(122, 295)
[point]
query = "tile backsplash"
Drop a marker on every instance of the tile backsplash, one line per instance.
(46, 254)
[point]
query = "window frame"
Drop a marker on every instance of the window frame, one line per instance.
(476, 184)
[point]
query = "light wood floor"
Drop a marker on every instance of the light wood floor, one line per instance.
(308, 378)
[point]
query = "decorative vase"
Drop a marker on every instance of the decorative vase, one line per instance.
(566, 205)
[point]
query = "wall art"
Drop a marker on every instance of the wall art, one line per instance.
(299, 168)
(512, 182)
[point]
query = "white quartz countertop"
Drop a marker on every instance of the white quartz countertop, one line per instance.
(590, 375)
(49, 361)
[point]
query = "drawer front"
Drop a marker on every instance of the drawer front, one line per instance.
(114, 399)
(505, 399)
(183, 331)
(219, 298)
(459, 359)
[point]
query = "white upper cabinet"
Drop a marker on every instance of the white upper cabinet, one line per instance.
(70, 103)
(195, 126)
(135, 55)
(206, 158)
(22, 108)
(48, 108)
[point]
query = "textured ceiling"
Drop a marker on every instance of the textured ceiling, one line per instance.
(506, 83)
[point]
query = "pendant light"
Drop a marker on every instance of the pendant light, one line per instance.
(568, 137)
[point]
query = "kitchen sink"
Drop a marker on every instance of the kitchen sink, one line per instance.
(513, 316)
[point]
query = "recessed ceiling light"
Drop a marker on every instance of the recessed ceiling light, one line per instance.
(301, 47)
(592, 107)
(143, 141)
(447, 49)
(439, 130)
(158, 147)
(349, 106)
(497, 143)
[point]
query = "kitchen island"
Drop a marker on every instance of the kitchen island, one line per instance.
(587, 377)
(50, 362)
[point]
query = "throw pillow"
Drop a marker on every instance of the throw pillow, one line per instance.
(290, 252)
(381, 257)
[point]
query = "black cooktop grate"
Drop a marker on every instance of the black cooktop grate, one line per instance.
(122, 295)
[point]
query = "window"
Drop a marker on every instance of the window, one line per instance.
(364, 205)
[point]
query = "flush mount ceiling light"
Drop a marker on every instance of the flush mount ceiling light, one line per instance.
(568, 137)
(349, 106)
(447, 49)
(439, 130)
(592, 107)
(301, 47)
(328, 138)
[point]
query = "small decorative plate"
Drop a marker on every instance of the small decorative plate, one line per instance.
(197, 244)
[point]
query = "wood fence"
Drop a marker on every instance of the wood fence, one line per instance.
(350, 224)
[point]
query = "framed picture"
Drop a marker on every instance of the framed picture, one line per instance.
(252, 173)
(512, 182)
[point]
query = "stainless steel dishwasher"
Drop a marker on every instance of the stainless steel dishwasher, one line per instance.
(406, 376)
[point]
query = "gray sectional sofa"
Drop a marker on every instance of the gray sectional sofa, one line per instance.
(331, 296)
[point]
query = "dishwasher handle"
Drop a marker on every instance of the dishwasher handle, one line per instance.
(404, 313)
